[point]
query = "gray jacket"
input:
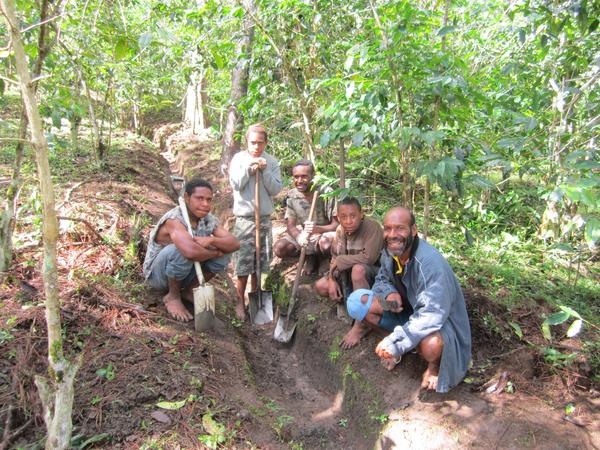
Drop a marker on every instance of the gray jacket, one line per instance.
(243, 184)
(438, 303)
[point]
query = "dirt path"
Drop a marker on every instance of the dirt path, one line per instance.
(236, 386)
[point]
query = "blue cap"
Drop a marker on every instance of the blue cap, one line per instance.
(356, 308)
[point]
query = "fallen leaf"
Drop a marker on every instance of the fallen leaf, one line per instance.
(160, 416)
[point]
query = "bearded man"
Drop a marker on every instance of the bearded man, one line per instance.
(417, 297)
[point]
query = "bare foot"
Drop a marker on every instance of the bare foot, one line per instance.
(187, 294)
(176, 309)
(240, 311)
(430, 377)
(353, 337)
(390, 363)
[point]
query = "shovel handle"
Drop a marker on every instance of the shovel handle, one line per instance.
(257, 226)
(186, 217)
(302, 258)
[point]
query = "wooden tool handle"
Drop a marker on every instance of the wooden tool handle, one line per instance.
(257, 223)
(302, 255)
(186, 217)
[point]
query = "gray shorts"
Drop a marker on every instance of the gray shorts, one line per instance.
(170, 263)
(245, 258)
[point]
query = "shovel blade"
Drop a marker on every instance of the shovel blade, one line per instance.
(261, 307)
(204, 307)
(284, 330)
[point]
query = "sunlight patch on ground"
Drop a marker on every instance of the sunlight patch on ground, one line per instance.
(334, 410)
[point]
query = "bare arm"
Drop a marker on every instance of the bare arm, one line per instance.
(332, 226)
(194, 249)
(225, 241)
(292, 227)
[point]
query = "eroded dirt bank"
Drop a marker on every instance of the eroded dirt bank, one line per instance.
(241, 389)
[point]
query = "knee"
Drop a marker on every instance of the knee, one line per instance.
(279, 248)
(321, 287)
(430, 348)
(218, 264)
(282, 248)
(358, 273)
(324, 244)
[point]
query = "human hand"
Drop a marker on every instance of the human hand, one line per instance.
(302, 238)
(388, 360)
(309, 227)
(382, 350)
(204, 241)
(257, 164)
(393, 302)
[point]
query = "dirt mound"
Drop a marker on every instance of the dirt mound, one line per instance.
(150, 382)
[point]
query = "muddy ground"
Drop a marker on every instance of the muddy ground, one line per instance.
(234, 386)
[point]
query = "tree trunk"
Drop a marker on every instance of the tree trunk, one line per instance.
(296, 87)
(196, 114)
(96, 132)
(432, 147)
(342, 165)
(405, 153)
(234, 123)
(7, 219)
(58, 397)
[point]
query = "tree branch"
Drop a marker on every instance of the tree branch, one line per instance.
(39, 24)
(10, 80)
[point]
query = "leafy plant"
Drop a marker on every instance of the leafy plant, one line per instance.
(562, 316)
(107, 372)
(557, 358)
(280, 423)
(216, 432)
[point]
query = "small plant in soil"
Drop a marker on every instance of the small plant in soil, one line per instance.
(334, 351)
(216, 432)
(280, 424)
(107, 372)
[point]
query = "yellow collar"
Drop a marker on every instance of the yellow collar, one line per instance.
(400, 266)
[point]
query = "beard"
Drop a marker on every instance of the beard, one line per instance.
(402, 245)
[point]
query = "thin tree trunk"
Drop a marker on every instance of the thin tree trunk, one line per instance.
(57, 392)
(296, 88)
(434, 126)
(96, 134)
(7, 220)
(234, 123)
(405, 158)
(342, 165)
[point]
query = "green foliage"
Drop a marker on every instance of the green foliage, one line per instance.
(107, 372)
(281, 291)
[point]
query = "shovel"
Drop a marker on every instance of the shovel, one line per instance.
(284, 330)
(261, 302)
(204, 294)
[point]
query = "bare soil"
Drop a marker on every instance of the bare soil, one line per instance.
(258, 393)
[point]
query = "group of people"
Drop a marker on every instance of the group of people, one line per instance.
(389, 279)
